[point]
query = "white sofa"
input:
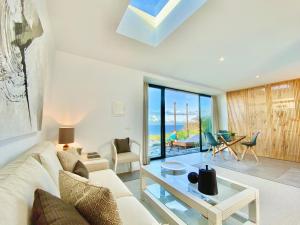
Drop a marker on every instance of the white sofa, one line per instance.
(38, 168)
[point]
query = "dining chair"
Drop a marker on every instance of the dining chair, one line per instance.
(225, 134)
(250, 145)
(125, 156)
(213, 144)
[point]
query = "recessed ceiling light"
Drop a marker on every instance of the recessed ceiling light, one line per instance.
(221, 59)
(257, 76)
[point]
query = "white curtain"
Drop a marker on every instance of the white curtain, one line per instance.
(215, 114)
(145, 157)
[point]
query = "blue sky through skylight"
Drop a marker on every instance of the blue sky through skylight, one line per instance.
(152, 7)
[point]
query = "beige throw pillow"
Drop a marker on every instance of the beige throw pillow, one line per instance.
(67, 160)
(95, 204)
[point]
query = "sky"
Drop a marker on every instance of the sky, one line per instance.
(181, 99)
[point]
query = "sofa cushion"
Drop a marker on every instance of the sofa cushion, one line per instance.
(51, 163)
(50, 210)
(132, 212)
(81, 170)
(18, 189)
(108, 179)
(67, 160)
(96, 204)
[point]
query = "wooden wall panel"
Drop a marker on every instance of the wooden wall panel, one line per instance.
(274, 110)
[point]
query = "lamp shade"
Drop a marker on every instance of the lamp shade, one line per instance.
(66, 135)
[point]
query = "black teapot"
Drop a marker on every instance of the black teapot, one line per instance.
(206, 179)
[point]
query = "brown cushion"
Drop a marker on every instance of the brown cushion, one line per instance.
(81, 170)
(67, 160)
(122, 145)
(96, 204)
(48, 209)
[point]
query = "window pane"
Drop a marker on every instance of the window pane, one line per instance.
(206, 118)
(154, 122)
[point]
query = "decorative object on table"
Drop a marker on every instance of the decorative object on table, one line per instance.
(206, 179)
(250, 144)
(22, 63)
(66, 136)
(122, 156)
(173, 166)
(93, 155)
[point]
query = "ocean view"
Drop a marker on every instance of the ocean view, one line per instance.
(155, 129)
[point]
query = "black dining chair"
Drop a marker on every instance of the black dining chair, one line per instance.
(250, 145)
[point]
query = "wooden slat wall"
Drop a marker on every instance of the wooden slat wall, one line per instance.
(274, 110)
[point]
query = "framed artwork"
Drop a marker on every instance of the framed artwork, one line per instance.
(21, 80)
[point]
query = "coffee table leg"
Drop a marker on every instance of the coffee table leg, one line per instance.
(143, 184)
(254, 210)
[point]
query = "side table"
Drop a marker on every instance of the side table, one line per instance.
(94, 164)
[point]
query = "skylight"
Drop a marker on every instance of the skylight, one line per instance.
(152, 7)
(151, 21)
(153, 11)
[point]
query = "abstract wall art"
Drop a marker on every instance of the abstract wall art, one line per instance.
(21, 80)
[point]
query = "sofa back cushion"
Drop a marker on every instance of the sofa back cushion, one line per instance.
(51, 162)
(17, 191)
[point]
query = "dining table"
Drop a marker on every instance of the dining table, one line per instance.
(229, 145)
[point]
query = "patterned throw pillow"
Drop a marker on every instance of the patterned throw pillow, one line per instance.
(95, 204)
(50, 210)
(81, 170)
(67, 160)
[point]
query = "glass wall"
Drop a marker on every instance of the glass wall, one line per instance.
(175, 121)
(206, 118)
(181, 122)
(154, 122)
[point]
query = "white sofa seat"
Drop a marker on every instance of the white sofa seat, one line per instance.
(108, 179)
(132, 212)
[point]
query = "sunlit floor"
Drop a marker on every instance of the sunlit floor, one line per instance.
(279, 203)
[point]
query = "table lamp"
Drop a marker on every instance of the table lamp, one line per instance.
(66, 136)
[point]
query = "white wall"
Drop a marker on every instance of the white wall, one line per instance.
(81, 94)
(223, 113)
(11, 148)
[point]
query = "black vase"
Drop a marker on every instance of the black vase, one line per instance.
(207, 181)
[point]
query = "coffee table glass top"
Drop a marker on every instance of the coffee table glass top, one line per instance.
(180, 181)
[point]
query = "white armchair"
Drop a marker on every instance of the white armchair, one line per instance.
(127, 157)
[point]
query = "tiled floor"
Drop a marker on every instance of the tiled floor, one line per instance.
(284, 172)
(279, 203)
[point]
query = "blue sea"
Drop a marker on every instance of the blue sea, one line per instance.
(156, 130)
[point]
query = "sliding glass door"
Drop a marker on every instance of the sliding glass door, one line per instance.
(177, 121)
(182, 126)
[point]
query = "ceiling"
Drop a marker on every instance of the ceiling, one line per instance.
(254, 37)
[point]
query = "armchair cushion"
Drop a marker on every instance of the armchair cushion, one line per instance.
(122, 145)
(128, 157)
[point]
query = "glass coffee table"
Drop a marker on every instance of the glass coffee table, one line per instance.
(180, 202)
